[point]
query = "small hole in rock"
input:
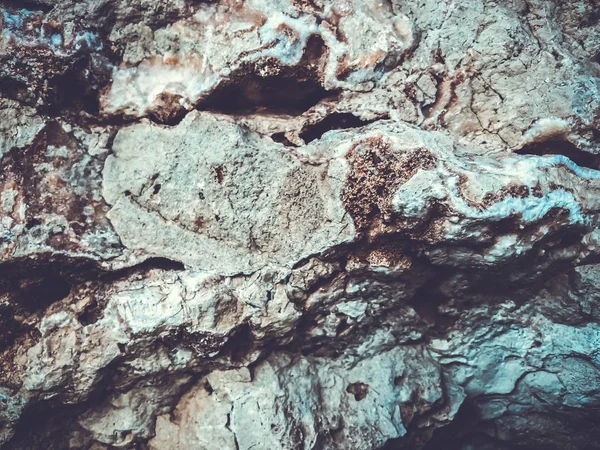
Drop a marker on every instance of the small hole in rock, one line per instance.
(342, 326)
(90, 314)
(160, 263)
(156, 188)
(359, 390)
(32, 223)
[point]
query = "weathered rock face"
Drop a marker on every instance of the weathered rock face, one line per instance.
(349, 224)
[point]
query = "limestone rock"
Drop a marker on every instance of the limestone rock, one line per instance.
(299, 224)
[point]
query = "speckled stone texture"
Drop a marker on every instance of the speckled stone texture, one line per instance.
(300, 224)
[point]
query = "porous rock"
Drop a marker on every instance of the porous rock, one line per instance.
(349, 224)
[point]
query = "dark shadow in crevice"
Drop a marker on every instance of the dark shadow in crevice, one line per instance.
(562, 147)
(282, 139)
(16, 90)
(42, 290)
(427, 301)
(31, 5)
(268, 95)
(153, 263)
(335, 121)
(479, 441)
(452, 436)
(293, 90)
(50, 422)
(63, 83)
(25, 291)
(591, 20)
(239, 343)
(78, 89)
(10, 328)
(51, 428)
(34, 285)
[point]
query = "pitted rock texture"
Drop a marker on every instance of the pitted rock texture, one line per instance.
(291, 224)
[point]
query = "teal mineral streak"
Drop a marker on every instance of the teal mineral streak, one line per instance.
(15, 20)
(15, 26)
(87, 40)
(530, 208)
(12, 20)
(582, 172)
(534, 208)
(56, 40)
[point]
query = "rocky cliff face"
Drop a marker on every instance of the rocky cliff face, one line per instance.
(300, 224)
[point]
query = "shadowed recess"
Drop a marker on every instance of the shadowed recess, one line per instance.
(292, 91)
(335, 121)
(31, 5)
(562, 147)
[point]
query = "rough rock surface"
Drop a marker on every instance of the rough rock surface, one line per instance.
(300, 224)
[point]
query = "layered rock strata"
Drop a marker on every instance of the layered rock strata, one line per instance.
(299, 224)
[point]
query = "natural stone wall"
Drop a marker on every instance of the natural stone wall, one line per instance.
(299, 224)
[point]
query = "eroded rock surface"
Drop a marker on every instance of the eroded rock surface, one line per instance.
(299, 224)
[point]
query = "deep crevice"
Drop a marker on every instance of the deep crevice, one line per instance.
(158, 262)
(34, 285)
(591, 20)
(239, 343)
(10, 328)
(290, 90)
(450, 437)
(427, 301)
(77, 89)
(267, 95)
(562, 147)
(42, 290)
(335, 121)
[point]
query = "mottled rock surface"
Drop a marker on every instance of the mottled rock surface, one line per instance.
(300, 224)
